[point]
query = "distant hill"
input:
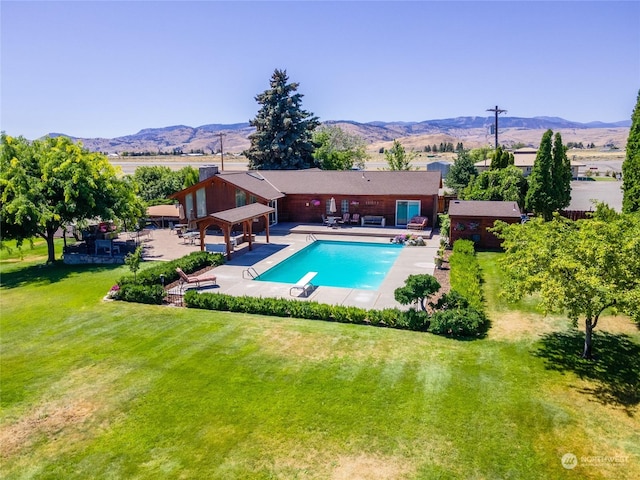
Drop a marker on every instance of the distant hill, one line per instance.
(472, 131)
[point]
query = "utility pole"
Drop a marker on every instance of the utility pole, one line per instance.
(497, 112)
(220, 134)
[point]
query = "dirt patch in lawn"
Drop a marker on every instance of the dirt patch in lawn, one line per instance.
(366, 467)
(74, 401)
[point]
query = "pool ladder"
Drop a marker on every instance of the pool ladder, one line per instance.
(311, 238)
(250, 273)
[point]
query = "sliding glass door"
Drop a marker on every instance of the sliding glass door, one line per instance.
(405, 210)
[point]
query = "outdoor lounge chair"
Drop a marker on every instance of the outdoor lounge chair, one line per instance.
(355, 218)
(345, 218)
(417, 223)
(191, 279)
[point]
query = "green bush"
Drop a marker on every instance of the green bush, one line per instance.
(282, 307)
(460, 323)
(464, 274)
(131, 292)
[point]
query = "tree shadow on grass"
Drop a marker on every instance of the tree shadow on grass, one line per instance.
(614, 370)
(47, 274)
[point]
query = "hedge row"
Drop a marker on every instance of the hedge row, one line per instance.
(283, 307)
(464, 274)
(147, 286)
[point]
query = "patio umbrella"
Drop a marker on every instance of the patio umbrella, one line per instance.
(332, 206)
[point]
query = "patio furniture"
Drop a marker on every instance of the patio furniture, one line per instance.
(417, 223)
(355, 218)
(304, 284)
(191, 237)
(373, 220)
(345, 218)
(191, 279)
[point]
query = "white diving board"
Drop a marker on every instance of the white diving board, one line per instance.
(304, 284)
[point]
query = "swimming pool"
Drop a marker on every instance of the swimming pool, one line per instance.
(339, 264)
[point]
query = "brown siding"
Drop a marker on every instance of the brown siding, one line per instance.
(300, 208)
(481, 237)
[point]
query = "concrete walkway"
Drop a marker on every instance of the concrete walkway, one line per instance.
(233, 278)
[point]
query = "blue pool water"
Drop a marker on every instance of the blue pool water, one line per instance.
(339, 264)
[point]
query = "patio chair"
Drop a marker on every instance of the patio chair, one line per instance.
(191, 279)
(346, 218)
(355, 218)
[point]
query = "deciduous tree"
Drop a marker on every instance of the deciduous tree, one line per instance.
(283, 136)
(337, 149)
(581, 268)
(417, 288)
(631, 165)
(503, 184)
(53, 182)
(398, 158)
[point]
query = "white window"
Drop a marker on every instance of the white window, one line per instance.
(201, 203)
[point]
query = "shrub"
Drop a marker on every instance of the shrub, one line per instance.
(460, 323)
(464, 274)
(131, 292)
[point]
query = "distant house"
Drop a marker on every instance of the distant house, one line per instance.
(471, 218)
(524, 158)
(304, 196)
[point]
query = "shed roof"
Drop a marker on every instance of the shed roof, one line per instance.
(483, 208)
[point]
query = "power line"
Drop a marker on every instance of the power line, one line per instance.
(497, 112)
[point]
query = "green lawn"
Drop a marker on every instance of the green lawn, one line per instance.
(94, 389)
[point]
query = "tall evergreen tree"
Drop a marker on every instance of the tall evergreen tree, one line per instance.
(283, 136)
(560, 174)
(631, 165)
(540, 199)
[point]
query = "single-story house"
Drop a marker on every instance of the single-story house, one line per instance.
(471, 218)
(304, 196)
(524, 158)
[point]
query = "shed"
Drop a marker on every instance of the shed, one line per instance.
(470, 220)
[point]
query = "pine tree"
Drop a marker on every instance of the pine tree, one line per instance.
(539, 197)
(283, 136)
(631, 165)
(560, 174)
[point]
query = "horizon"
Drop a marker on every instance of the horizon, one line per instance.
(143, 64)
(489, 120)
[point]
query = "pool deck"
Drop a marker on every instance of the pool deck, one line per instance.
(285, 240)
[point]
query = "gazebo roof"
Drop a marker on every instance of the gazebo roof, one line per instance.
(240, 214)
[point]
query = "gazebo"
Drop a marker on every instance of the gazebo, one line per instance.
(226, 219)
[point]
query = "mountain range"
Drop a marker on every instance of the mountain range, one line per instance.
(472, 131)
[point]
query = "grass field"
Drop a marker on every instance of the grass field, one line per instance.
(94, 389)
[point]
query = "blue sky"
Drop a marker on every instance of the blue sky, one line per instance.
(111, 68)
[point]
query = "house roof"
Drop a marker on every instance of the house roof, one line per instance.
(483, 208)
(274, 184)
(334, 182)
